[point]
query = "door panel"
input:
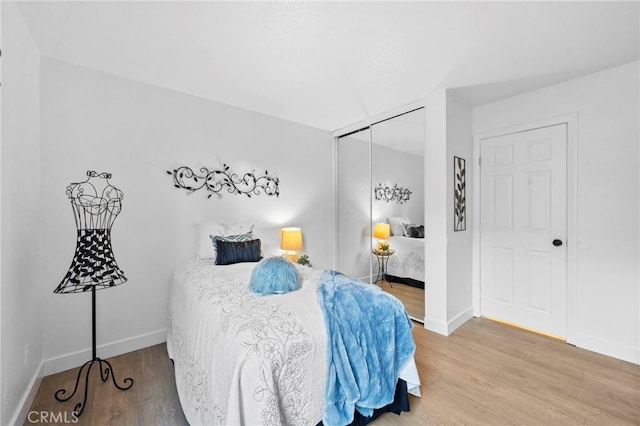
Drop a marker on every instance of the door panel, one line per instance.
(354, 205)
(539, 283)
(503, 270)
(503, 202)
(539, 211)
(523, 209)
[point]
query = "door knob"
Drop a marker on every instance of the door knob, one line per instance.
(557, 242)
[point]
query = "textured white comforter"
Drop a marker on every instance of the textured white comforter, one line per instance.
(408, 259)
(246, 359)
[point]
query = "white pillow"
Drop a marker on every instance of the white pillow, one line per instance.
(204, 246)
(396, 225)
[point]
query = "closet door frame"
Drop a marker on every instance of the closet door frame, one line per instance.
(356, 127)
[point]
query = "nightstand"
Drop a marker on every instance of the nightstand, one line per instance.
(383, 258)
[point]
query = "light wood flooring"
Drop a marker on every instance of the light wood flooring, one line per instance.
(485, 373)
(411, 297)
(152, 400)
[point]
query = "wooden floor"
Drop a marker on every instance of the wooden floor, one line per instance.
(486, 373)
(411, 297)
(152, 400)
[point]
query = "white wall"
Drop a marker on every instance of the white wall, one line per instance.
(459, 243)
(435, 212)
(607, 199)
(21, 208)
(91, 120)
(448, 263)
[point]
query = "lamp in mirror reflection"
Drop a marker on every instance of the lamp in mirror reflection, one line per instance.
(291, 242)
(382, 231)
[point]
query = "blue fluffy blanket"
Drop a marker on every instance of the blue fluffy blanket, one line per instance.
(364, 356)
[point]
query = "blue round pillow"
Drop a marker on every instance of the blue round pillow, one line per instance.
(274, 275)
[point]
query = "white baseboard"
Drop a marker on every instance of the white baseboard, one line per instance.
(27, 399)
(451, 325)
(76, 359)
(460, 319)
(609, 348)
(435, 326)
(366, 279)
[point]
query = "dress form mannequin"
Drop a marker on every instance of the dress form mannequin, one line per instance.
(96, 204)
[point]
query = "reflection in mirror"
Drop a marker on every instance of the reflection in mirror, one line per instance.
(397, 175)
(354, 205)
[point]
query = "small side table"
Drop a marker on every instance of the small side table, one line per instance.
(383, 258)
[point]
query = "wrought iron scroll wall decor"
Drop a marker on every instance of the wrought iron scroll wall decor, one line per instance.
(398, 194)
(217, 180)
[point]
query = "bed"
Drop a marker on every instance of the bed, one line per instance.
(244, 358)
(408, 261)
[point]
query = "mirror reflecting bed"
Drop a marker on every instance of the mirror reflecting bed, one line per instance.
(381, 181)
(397, 176)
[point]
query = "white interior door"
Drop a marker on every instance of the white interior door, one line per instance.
(523, 227)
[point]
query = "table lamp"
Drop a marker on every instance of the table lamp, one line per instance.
(382, 231)
(290, 242)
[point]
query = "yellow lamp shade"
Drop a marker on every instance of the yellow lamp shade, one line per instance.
(291, 239)
(381, 230)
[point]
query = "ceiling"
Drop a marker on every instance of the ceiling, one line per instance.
(404, 132)
(332, 64)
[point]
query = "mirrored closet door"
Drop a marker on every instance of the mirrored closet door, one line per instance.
(354, 205)
(381, 187)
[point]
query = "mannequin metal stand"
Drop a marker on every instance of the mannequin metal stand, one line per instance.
(105, 369)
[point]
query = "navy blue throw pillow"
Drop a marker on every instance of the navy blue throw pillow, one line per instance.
(237, 251)
(416, 231)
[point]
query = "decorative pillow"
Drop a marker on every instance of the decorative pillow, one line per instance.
(234, 238)
(396, 224)
(416, 231)
(406, 226)
(237, 251)
(204, 249)
(274, 275)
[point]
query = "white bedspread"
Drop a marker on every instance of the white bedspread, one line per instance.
(242, 358)
(408, 259)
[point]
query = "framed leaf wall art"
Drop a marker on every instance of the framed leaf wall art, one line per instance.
(459, 195)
